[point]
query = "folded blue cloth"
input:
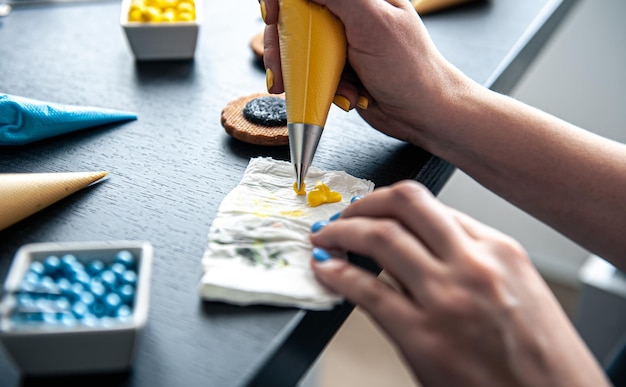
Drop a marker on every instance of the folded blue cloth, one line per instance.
(24, 120)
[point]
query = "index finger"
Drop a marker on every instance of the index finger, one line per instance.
(269, 11)
(419, 211)
(353, 12)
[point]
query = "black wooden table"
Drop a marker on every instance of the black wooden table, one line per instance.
(170, 169)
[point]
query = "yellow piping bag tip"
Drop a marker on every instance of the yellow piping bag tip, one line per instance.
(313, 51)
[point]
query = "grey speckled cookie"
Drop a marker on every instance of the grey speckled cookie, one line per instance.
(241, 128)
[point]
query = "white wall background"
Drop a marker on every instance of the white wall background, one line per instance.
(579, 76)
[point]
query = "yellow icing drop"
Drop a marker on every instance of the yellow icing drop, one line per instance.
(322, 194)
(302, 189)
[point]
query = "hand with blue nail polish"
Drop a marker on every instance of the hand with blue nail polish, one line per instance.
(319, 225)
(467, 307)
(335, 217)
(572, 179)
(320, 255)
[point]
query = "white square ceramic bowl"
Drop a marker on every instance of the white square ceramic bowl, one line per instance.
(43, 348)
(162, 40)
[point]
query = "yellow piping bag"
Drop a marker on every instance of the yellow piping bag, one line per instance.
(23, 194)
(313, 51)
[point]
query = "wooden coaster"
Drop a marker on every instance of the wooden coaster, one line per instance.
(256, 44)
(242, 129)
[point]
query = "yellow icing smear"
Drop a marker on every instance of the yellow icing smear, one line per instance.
(322, 194)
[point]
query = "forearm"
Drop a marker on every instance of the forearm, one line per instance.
(569, 178)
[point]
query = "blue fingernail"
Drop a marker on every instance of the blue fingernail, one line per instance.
(335, 217)
(320, 254)
(354, 199)
(319, 225)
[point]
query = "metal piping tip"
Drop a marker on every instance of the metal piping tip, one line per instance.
(303, 140)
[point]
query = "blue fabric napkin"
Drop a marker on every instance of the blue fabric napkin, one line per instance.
(24, 120)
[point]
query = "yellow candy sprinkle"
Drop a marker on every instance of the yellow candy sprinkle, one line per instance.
(168, 16)
(169, 3)
(302, 189)
(135, 6)
(135, 15)
(322, 194)
(185, 17)
(185, 6)
(152, 14)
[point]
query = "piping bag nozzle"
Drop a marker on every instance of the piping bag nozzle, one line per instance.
(313, 51)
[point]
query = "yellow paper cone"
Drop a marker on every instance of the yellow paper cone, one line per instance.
(313, 51)
(23, 194)
(425, 6)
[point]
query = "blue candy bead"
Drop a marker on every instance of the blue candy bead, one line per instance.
(83, 278)
(123, 312)
(97, 309)
(108, 278)
(95, 267)
(76, 267)
(51, 265)
(62, 304)
(129, 277)
(80, 310)
(112, 302)
(118, 269)
(76, 289)
(47, 281)
(356, 198)
(90, 320)
(64, 286)
(125, 257)
(25, 299)
(48, 285)
(68, 319)
(127, 293)
(98, 289)
(37, 267)
(49, 317)
(320, 254)
(315, 227)
(87, 298)
(31, 278)
(67, 261)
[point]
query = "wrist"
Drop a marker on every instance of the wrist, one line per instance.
(459, 119)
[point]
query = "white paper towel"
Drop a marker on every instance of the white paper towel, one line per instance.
(258, 248)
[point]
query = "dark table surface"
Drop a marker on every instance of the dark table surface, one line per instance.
(170, 169)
